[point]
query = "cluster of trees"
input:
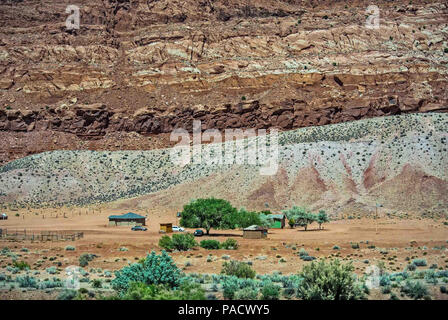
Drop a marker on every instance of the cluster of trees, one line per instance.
(218, 214)
(298, 216)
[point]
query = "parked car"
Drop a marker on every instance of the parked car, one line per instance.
(3, 216)
(138, 228)
(178, 229)
(198, 233)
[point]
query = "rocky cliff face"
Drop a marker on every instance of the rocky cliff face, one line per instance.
(141, 68)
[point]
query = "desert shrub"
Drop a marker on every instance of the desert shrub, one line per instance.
(246, 294)
(67, 294)
(230, 287)
(166, 243)
(411, 267)
(302, 252)
(181, 242)
(270, 292)
(47, 284)
(414, 289)
(336, 248)
(355, 245)
(229, 244)
(238, 269)
(143, 291)
(13, 270)
(85, 258)
(308, 258)
(51, 270)
(21, 265)
(329, 281)
(419, 262)
(210, 244)
(70, 248)
(443, 289)
(2, 277)
(97, 283)
(385, 280)
(155, 269)
(27, 282)
(184, 242)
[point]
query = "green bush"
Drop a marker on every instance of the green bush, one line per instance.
(154, 269)
(246, 294)
(181, 242)
(27, 282)
(70, 248)
(210, 244)
(166, 243)
(419, 262)
(184, 242)
(238, 269)
(21, 265)
(85, 258)
(67, 294)
(270, 292)
(355, 245)
(97, 283)
(229, 244)
(414, 289)
(142, 291)
(329, 281)
(229, 287)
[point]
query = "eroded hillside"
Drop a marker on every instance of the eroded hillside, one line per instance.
(398, 161)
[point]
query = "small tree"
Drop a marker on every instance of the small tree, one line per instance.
(301, 216)
(322, 218)
(207, 214)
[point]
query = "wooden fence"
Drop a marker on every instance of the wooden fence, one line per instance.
(33, 235)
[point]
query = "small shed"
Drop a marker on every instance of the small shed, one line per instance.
(127, 219)
(166, 227)
(279, 220)
(255, 232)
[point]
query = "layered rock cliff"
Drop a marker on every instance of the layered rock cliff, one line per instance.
(135, 70)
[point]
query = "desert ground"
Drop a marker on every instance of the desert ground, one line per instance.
(389, 239)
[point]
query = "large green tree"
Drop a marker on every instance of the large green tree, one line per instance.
(207, 213)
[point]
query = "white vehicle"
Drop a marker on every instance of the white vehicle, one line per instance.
(3, 216)
(178, 229)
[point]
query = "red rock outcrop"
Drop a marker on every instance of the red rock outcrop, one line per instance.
(146, 67)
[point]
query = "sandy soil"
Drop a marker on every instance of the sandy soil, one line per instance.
(401, 239)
